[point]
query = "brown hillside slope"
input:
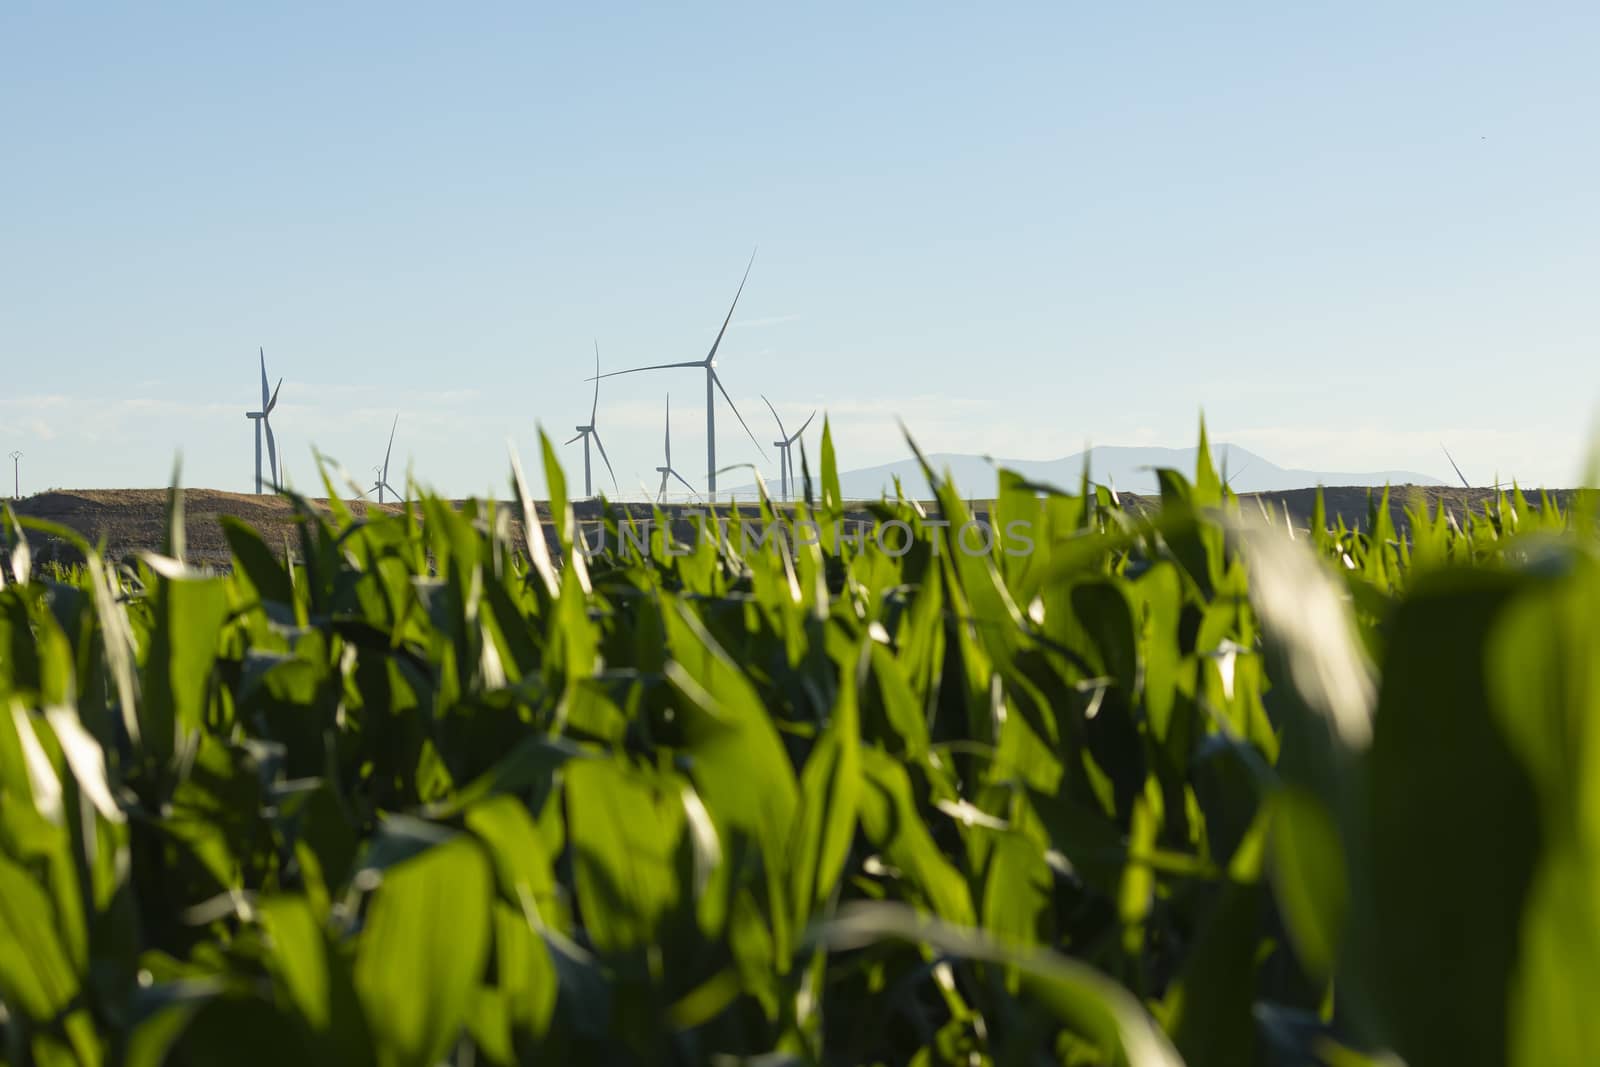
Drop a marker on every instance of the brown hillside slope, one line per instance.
(133, 520)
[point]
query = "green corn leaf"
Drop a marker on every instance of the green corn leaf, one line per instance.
(177, 678)
(314, 981)
(891, 821)
(626, 832)
(1095, 1007)
(826, 822)
(421, 953)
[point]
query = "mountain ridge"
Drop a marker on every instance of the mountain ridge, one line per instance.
(1129, 468)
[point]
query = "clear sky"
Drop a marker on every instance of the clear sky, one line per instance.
(1346, 232)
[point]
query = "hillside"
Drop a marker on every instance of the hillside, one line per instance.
(128, 521)
(1130, 469)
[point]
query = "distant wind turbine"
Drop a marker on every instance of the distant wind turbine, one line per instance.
(785, 464)
(383, 472)
(589, 431)
(260, 418)
(668, 469)
(1227, 479)
(712, 383)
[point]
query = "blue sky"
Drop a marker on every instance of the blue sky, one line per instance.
(1344, 233)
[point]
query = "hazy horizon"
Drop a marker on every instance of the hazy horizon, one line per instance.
(1129, 469)
(1346, 237)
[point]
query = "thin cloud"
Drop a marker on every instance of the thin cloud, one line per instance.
(326, 391)
(769, 320)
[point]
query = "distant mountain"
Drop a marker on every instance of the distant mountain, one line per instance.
(1128, 469)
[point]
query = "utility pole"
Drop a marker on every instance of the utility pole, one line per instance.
(16, 479)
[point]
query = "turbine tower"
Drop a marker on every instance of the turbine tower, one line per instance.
(785, 465)
(713, 386)
(383, 472)
(260, 418)
(589, 431)
(668, 469)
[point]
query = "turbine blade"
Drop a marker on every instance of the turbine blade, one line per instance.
(653, 366)
(738, 416)
(601, 445)
(663, 490)
(595, 407)
(802, 428)
(386, 451)
(669, 430)
(263, 353)
(393, 490)
(573, 438)
(681, 478)
(781, 431)
(274, 401)
(1451, 458)
(272, 453)
(717, 343)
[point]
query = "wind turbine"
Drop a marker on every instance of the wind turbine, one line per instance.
(1227, 479)
(668, 469)
(589, 431)
(260, 418)
(709, 365)
(785, 466)
(383, 472)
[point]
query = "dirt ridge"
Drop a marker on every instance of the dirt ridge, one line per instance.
(129, 521)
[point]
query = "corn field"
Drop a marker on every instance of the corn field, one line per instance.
(1184, 787)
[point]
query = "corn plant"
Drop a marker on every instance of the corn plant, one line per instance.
(1176, 787)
